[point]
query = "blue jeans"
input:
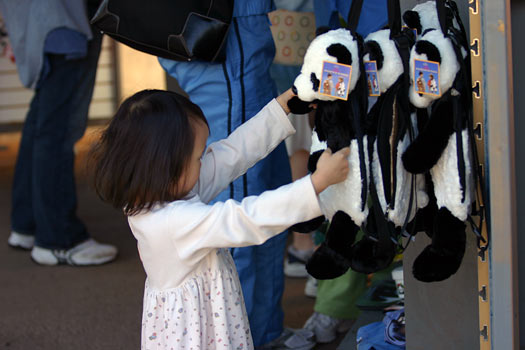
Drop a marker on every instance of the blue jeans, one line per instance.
(44, 196)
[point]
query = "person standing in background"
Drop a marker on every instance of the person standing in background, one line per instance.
(229, 94)
(56, 54)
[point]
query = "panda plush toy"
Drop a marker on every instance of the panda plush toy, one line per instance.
(338, 124)
(443, 149)
(391, 126)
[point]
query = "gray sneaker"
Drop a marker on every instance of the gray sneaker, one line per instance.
(326, 328)
(87, 253)
(291, 339)
(310, 287)
(21, 241)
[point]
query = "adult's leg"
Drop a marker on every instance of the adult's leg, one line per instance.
(57, 120)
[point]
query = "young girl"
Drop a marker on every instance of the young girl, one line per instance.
(151, 161)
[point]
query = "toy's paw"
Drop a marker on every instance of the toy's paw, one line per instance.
(308, 226)
(313, 159)
(298, 106)
(414, 159)
(369, 257)
(326, 264)
(433, 265)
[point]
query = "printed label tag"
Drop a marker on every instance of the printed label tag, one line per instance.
(335, 80)
(426, 76)
(371, 78)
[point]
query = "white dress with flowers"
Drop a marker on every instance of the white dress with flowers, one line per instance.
(193, 298)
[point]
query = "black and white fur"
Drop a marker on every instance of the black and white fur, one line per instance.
(337, 125)
(435, 150)
(424, 16)
(390, 72)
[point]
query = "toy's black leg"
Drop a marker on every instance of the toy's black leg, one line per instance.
(442, 258)
(332, 258)
(308, 226)
(369, 256)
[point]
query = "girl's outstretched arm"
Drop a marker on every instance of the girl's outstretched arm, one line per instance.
(227, 159)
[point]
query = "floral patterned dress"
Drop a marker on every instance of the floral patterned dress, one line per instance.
(193, 298)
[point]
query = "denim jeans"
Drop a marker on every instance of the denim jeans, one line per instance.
(44, 197)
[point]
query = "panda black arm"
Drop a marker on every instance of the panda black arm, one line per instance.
(298, 106)
(424, 152)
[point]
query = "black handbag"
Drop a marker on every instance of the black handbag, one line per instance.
(174, 29)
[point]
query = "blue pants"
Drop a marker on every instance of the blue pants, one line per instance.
(229, 94)
(44, 195)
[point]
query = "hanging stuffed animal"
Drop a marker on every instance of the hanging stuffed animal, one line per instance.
(338, 124)
(442, 147)
(396, 194)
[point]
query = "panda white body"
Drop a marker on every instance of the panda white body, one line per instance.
(391, 70)
(445, 173)
(346, 195)
(403, 191)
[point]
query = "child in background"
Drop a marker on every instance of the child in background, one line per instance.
(151, 161)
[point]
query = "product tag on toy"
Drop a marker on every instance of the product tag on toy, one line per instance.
(335, 80)
(426, 75)
(371, 78)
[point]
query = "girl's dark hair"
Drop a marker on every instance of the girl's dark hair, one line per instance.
(142, 154)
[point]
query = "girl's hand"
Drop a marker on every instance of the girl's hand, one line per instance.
(331, 169)
(284, 98)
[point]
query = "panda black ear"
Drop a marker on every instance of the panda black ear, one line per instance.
(376, 54)
(411, 19)
(429, 49)
(321, 30)
(341, 53)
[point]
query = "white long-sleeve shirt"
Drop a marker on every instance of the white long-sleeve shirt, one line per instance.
(193, 297)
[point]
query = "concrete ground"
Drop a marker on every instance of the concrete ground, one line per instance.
(77, 308)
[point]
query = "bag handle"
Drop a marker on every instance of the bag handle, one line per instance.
(394, 17)
(353, 15)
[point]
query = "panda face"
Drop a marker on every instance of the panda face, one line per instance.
(335, 46)
(379, 48)
(433, 46)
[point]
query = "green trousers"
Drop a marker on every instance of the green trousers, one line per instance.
(336, 298)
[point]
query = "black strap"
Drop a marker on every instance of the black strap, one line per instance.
(354, 14)
(394, 17)
(442, 15)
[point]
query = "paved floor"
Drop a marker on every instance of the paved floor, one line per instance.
(63, 308)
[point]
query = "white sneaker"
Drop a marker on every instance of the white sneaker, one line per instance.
(326, 328)
(294, 263)
(18, 240)
(89, 252)
(310, 287)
